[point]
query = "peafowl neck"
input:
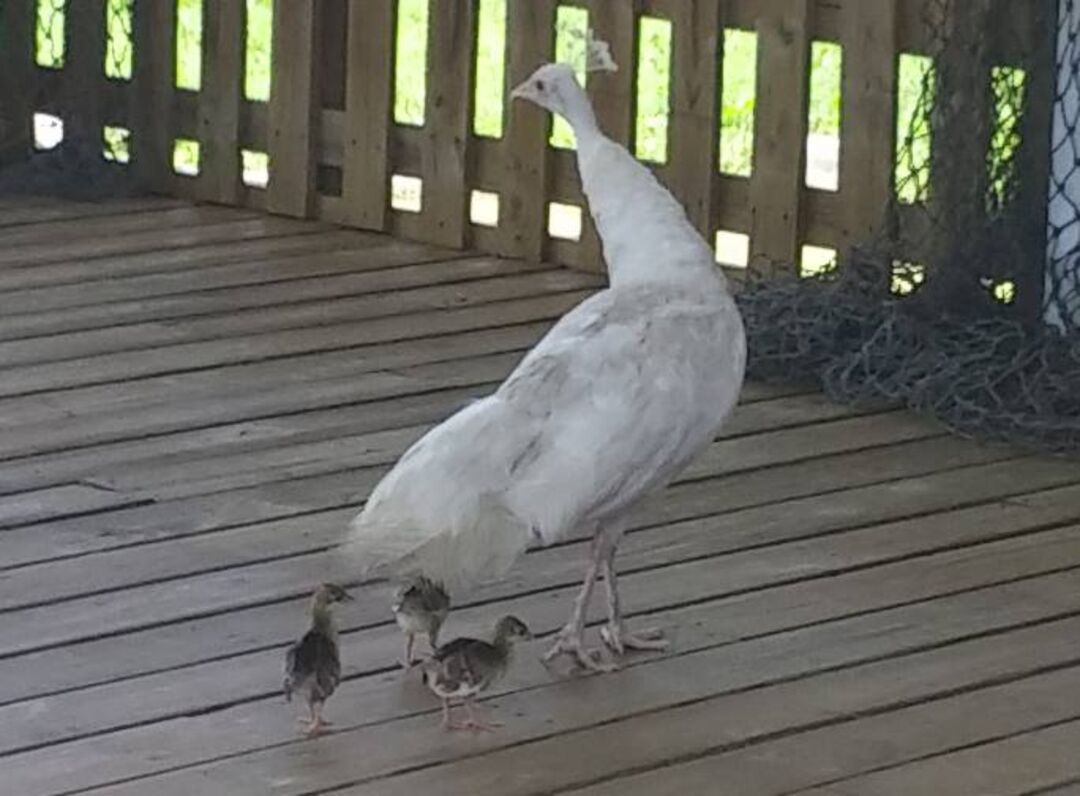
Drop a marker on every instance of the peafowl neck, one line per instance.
(645, 233)
(579, 113)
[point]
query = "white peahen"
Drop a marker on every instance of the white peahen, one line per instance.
(616, 400)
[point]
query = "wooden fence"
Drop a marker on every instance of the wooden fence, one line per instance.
(333, 145)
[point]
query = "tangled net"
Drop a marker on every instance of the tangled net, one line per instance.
(985, 334)
(991, 378)
(73, 169)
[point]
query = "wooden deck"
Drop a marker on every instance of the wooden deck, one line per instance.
(193, 401)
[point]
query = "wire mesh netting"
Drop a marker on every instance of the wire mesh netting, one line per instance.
(967, 305)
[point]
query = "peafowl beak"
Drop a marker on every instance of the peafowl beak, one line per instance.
(523, 91)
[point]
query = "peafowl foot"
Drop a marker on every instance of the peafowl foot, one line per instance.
(619, 640)
(571, 643)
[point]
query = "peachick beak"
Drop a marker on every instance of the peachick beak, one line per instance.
(520, 92)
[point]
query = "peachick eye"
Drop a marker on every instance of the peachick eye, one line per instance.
(540, 85)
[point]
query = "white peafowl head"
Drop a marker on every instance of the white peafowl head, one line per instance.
(555, 87)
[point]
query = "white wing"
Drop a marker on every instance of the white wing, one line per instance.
(620, 394)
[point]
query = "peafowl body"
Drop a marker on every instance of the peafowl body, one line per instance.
(619, 396)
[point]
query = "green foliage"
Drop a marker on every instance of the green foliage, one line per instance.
(826, 64)
(189, 26)
(738, 93)
(913, 136)
(653, 89)
(118, 39)
(49, 34)
(490, 69)
(258, 48)
(410, 69)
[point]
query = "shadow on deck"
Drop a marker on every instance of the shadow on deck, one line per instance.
(194, 400)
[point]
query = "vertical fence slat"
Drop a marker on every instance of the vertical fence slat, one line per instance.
(694, 127)
(294, 107)
(530, 36)
(612, 95)
(961, 125)
(780, 131)
(154, 82)
(219, 100)
(451, 66)
(84, 69)
(1036, 132)
(17, 23)
(868, 134)
(368, 98)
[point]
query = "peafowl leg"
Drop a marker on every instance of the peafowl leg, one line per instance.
(571, 639)
(615, 635)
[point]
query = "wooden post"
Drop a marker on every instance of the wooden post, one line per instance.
(695, 114)
(612, 95)
(84, 71)
(368, 97)
(961, 123)
(868, 132)
(17, 25)
(219, 100)
(530, 36)
(1035, 155)
(294, 107)
(155, 80)
(776, 186)
(451, 66)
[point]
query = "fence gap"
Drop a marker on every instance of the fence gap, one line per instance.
(490, 69)
(189, 44)
(411, 62)
(653, 89)
(738, 99)
(825, 113)
(118, 42)
(258, 50)
(50, 33)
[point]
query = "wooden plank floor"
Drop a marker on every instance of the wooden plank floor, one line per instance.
(194, 400)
